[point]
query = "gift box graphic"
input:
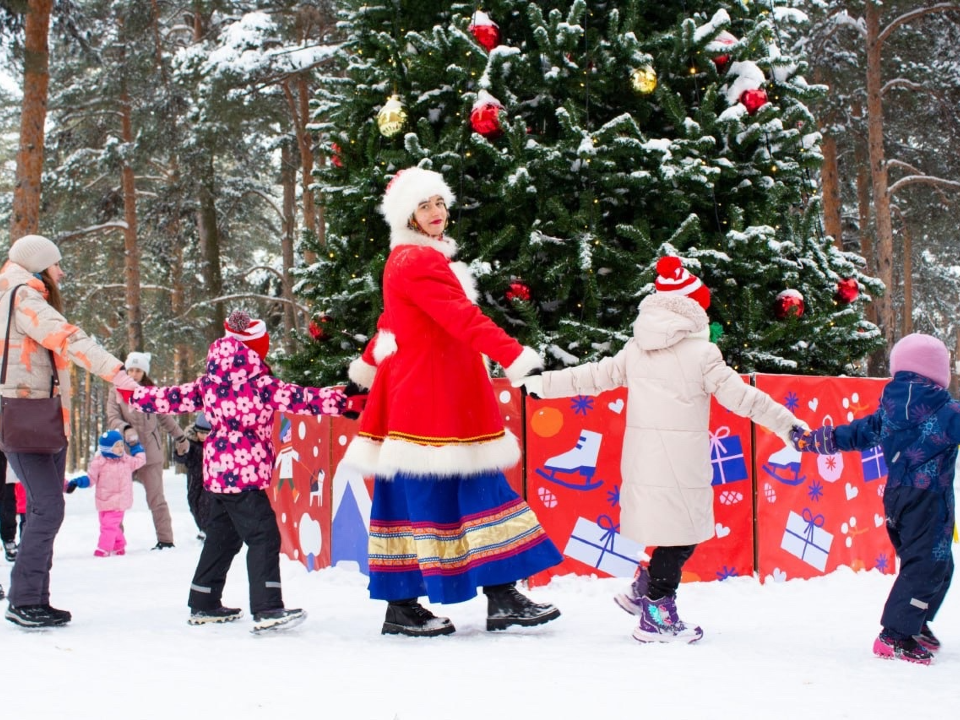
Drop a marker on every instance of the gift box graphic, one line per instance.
(726, 456)
(806, 539)
(874, 464)
(599, 545)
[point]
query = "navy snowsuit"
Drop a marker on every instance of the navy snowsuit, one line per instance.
(918, 427)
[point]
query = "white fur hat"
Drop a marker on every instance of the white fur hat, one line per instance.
(138, 361)
(409, 188)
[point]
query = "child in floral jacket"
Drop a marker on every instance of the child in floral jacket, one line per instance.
(239, 397)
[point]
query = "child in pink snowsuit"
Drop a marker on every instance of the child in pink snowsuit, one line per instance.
(111, 470)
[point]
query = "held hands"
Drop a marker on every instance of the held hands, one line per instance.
(81, 481)
(532, 384)
(130, 437)
(821, 441)
(356, 401)
(123, 382)
(182, 445)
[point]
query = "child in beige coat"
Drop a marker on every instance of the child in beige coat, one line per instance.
(671, 370)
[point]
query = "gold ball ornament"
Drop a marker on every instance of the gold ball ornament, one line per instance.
(391, 117)
(644, 80)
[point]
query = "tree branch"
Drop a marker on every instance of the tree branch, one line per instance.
(913, 15)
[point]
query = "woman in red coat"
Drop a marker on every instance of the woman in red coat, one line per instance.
(444, 521)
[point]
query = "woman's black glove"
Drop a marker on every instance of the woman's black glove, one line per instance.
(356, 401)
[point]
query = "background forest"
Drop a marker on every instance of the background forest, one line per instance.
(193, 160)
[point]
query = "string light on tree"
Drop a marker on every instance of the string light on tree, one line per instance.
(391, 117)
(789, 302)
(753, 100)
(644, 80)
(485, 116)
(848, 290)
(485, 30)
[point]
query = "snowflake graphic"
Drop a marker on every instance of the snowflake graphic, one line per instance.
(881, 563)
(815, 491)
(613, 496)
(792, 402)
(581, 405)
(727, 572)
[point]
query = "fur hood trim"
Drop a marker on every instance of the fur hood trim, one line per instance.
(665, 320)
(405, 236)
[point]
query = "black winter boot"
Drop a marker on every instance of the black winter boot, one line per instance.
(506, 607)
(409, 617)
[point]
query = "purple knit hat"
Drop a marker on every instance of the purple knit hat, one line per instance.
(923, 355)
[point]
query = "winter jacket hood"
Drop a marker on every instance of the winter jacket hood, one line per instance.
(910, 399)
(665, 320)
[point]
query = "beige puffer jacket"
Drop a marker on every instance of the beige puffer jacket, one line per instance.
(36, 328)
(670, 370)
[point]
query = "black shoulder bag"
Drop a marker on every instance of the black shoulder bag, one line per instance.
(30, 425)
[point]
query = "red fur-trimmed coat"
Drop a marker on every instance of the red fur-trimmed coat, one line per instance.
(432, 409)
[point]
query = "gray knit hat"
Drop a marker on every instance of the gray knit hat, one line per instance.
(35, 253)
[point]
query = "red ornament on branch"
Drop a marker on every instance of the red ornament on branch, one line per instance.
(848, 290)
(518, 290)
(789, 302)
(335, 155)
(485, 30)
(753, 100)
(723, 40)
(317, 330)
(485, 116)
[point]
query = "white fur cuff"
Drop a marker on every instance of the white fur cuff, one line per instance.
(362, 373)
(527, 361)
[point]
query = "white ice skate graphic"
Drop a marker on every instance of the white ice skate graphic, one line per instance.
(784, 466)
(582, 458)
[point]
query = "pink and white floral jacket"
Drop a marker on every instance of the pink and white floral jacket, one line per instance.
(240, 397)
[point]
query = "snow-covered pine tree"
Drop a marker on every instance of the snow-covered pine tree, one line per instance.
(628, 130)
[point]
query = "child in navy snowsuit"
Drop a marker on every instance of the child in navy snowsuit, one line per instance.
(918, 427)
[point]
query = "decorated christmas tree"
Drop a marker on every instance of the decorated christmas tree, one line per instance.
(585, 141)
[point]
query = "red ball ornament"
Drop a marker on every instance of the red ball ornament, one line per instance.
(753, 100)
(485, 116)
(723, 40)
(485, 30)
(317, 330)
(789, 302)
(335, 155)
(518, 290)
(848, 290)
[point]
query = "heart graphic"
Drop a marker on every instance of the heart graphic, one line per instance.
(852, 492)
(617, 406)
(877, 519)
(722, 531)
(779, 575)
(813, 404)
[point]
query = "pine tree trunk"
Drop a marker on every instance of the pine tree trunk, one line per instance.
(288, 179)
(907, 326)
(830, 177)
(131, 245)
(210, 248)
(878, 172)
(25, 215)
(299, 113)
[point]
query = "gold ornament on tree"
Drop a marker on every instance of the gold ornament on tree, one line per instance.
(391, 117)
(644, 80)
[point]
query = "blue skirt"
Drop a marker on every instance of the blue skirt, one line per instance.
(444, 537)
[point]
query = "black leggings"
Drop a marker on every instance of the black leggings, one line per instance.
(666, 567)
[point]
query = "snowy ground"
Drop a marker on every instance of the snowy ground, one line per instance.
(799, 649)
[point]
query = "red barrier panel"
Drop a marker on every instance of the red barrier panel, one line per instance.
(799, 515)
(823, 511)
(573, 448)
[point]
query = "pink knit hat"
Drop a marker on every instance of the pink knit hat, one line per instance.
(674, 279)
(923, 355)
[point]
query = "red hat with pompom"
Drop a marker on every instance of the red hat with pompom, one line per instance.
(252, 333)
(674, 279)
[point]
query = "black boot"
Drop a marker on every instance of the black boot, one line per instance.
(409, 617)
(506, 607)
